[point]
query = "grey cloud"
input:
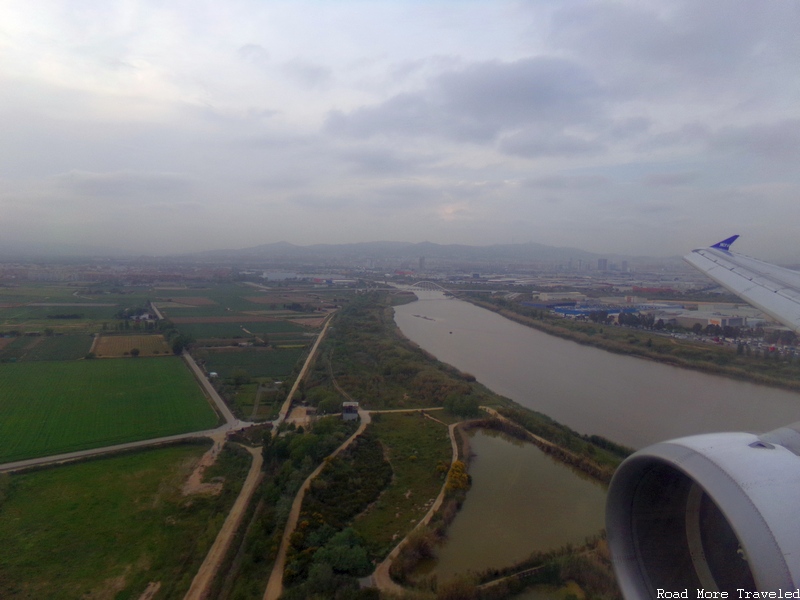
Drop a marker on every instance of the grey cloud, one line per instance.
(773, 141)
(254, 54)
(479, 102)
(307, 73)
(323, 202)
(279, 182)
(670, 179)
(533, 143)
(404, 114)
(404, 197)
(407, 68)
(628, 128)
(123, 183)
(567, 182)
(534, 89)
(382, 199)
(690, 134)
(703, 44)
(382, 161)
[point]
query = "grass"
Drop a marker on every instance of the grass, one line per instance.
(257, 362)
(416, 447)
(54, 407)
(231, 330)
(105, 528)
(365, 355)
(60, 347)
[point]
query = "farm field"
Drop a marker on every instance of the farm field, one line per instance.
(105, 528)
(116, 346)
(49, 314)
(15, 348)
(256, 361)
(57, 347)
(54, 407)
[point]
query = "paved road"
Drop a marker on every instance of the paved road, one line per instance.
(202, 581)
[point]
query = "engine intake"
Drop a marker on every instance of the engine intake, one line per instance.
(713, 513)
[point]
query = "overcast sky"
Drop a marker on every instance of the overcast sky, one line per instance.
(613, 126)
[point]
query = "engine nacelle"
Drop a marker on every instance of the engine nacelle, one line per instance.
(716, 512)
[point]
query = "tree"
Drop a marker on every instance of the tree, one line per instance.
(240, 377)
(179, 342)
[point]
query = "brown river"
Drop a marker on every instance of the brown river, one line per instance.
(628, 400)
(521, 500)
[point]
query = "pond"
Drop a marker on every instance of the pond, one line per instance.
(521, 501)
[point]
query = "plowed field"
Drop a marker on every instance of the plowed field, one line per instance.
(114, 346)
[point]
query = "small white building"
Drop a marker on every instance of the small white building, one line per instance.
(349, 411)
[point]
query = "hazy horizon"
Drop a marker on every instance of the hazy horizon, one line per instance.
(615, 127)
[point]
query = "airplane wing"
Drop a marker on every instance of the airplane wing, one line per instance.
(775, 290)
(715, 510)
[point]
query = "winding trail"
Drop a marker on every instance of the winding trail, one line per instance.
(275, 584)
(381, 578)
(202, 581)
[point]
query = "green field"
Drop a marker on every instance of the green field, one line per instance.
(106, 528)
(257, 362)
(16, 349)
(54, 407)
(57, 347)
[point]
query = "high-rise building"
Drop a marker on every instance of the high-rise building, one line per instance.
(602, 264)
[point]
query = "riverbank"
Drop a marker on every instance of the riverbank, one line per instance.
(697, 356)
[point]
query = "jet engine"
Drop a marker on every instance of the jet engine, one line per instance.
(708, 514)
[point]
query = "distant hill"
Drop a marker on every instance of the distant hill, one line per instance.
(403, 251)
(361, 254)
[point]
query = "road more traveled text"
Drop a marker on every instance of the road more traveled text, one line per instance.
(740, 593)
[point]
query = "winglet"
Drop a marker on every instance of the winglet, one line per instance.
(725, 244)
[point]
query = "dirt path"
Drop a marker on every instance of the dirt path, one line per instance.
(288, 402)
(199, 589)
(151, 590)
(219, 403)
(256, 402)
(195, 485)
(275, 584)
(383, 581)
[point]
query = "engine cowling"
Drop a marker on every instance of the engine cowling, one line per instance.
(716, 512)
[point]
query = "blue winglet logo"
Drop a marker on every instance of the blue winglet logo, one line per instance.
(725, 244)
